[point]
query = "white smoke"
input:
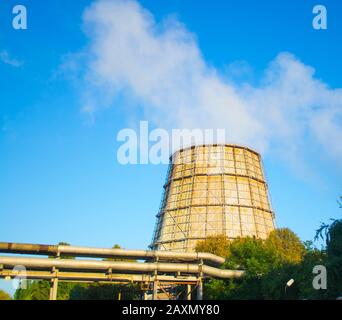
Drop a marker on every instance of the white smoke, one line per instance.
(161, 66)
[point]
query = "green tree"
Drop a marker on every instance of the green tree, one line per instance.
(286, 244)
(268, 265)
(257, 259)
(251, 255)
(35, 290)
(4, 295)
(218, 245)
(40, 290)
(274, 282)
(334, 259)
(332, 235)
(104, 292)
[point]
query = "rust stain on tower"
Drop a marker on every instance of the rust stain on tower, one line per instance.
(211, 190)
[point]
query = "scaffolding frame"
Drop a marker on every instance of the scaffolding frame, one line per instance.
(242, 196)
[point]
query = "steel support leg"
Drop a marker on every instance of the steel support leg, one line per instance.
(200, 290)
(155, 290)
(188, 292)
(155, 285)
(54, 289)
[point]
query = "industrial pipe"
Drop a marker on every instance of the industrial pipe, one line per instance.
(41, 263)
(102, 277)
(22, 248)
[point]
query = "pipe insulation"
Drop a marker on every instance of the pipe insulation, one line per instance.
(97, 265)
(23, 248)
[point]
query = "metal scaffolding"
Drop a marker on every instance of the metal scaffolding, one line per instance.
(211, 190)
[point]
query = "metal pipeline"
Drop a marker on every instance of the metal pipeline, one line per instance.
(22, 248)
(71, 264)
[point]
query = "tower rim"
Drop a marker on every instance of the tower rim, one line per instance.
(231, 145)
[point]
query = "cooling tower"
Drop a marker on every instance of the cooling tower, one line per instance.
(212, 190)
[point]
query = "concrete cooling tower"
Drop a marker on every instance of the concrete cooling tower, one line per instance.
(212, 190)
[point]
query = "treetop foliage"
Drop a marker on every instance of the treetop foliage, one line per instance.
(4, 295)
(269, 264)
(218, 245)
(286, 244)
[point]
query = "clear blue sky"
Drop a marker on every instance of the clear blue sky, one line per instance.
(59, 177)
